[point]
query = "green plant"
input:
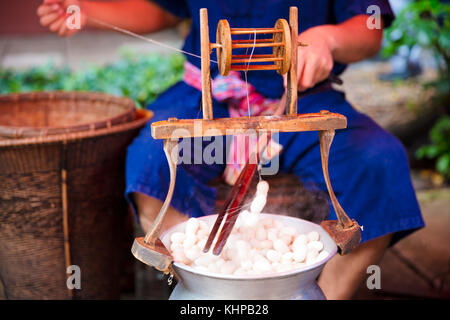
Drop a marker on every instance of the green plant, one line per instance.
(425, 23)
(140, 77)
(439, 148)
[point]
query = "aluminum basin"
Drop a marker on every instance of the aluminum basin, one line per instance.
(294, 284)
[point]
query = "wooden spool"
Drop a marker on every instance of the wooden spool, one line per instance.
(280, 42)
(284, 51)
(223, 38)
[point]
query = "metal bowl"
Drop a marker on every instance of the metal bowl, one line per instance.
(295, 284)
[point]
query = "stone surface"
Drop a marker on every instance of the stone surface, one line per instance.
(419, 265)
(428, 249)
(395, 106)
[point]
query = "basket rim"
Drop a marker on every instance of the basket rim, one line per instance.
(17, 132)
(142, 117)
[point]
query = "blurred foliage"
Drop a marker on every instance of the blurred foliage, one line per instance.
(425, 23)
(140, 77)
(439, 148)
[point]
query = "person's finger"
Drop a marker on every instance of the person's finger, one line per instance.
(307, 78)
(50, 18)
(70, 32)
(63, 28)
(52, 1)
(55, 26)
(309, 70)
(46, 9)
(326, 65)
(300, 66)
(320, 74)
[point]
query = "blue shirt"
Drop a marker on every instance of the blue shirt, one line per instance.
(260, 13)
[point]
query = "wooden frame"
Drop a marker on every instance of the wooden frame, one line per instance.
(184, 128)
(285, 44)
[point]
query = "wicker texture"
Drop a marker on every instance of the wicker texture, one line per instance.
(35, 246)
(37, 114)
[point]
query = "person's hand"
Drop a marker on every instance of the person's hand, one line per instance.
(52, 14)
(315, 61)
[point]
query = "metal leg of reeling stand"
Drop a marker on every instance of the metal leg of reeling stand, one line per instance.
(171, 150)
(150, 250)
(345, 232)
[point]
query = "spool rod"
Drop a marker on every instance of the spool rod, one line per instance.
(256, 56)
(206, 75)
(292, 83)
(254, 30)
(256, 60)
(257, 45)
(253, 67)
(251, 40)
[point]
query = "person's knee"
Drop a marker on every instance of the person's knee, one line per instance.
(145, 205)
(148, 209)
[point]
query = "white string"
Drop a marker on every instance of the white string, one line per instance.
(246, 84)
(245, 73)
(130, 33)
(161, 44)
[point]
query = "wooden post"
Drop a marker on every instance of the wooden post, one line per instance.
(206, 75)
(65, 212)
(292, 81)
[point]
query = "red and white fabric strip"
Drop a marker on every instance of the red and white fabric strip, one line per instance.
(233, 91)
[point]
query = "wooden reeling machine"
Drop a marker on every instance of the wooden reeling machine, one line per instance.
(283, 39)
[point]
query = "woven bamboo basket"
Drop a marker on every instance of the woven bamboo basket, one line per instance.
(61, 194)
(37, 114)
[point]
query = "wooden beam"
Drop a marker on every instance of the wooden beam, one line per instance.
(182, 128)
(205, 65)
(292, 83)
